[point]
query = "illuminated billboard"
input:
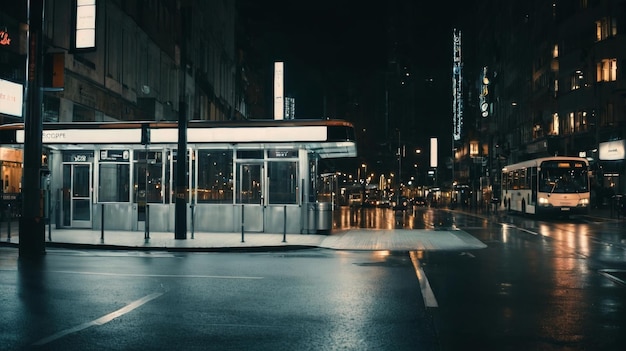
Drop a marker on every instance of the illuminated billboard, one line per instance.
(11, 98)
(85, 24)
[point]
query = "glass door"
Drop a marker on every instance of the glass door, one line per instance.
(250, 195)
(77, 195)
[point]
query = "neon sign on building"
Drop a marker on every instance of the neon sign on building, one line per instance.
(457, 87)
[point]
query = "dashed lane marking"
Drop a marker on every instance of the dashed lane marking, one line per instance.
(100, 321)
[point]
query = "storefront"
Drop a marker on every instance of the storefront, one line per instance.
(252, 173)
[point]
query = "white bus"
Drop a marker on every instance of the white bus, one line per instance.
(550, 185)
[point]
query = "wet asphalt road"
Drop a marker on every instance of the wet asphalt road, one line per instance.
(539, 285)
(301, 300)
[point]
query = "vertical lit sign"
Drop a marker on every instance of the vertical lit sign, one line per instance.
(433, 152)
(483, 98)
(279, 107)
(85, 24)
(457, 87)
(290, 107)
(11, 98)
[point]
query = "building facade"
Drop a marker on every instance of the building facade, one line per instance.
(555, 82)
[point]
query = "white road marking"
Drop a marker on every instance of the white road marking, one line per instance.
(159, 275)
(427, 292)
(467, 254)
(100, 321)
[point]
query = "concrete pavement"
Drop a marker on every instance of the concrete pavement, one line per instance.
(356, 239)
(353, 239)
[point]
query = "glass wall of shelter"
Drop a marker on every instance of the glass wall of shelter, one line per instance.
(258, 185)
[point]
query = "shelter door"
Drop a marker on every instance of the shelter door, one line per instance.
(77, 200)
(250, 195)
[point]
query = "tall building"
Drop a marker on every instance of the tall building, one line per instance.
(556, 87)
(134, 70)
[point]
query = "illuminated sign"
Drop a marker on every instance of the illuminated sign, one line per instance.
(612, 150)
(433, 152)
(11, 98)
(457, 87)
(279, 106)
(283, 153)
(85, 24)
(114, 155)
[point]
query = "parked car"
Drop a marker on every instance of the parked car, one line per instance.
(401, 204)
(419, 201)
(355, 200)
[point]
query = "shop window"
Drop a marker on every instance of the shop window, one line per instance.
(114, 179)
(114, 176)
(249, 183)
(215, 176)
(148, 177)
(283, 182)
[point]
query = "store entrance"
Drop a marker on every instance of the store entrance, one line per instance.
(76, 208)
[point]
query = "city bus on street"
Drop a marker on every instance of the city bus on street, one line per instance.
(556, 185)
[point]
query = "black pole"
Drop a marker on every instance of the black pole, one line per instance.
(146, 232)
(284, 224)
(242, 225)
(102, 223)
(48, 213)
(180, 218)
(32, 224)
(193, 224)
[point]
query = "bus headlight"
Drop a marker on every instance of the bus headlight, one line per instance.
(543, 201)
(583, 202)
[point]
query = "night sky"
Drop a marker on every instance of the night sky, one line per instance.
(345, 42)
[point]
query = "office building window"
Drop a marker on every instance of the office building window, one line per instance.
(605, 28)
(577, 80)
(607, 70)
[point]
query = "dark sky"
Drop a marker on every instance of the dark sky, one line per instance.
(322, 33)
(350, 38)
(354, 33)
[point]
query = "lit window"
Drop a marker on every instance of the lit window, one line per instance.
(555, 51)
(577, 80)
(555, 124)
(570, 124)
(605, 28)
(556, 87)
(607, 70)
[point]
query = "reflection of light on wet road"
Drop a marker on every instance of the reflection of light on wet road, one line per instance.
(506, 231)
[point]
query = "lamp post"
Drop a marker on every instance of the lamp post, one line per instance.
(32, 225)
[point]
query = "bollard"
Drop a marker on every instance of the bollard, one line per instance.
(146, 232)
(242, 224)
(284, 224)
(49, 218)
(192, 220)
(102, 223)
(9, 225)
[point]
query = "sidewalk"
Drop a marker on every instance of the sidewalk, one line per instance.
(353, 239)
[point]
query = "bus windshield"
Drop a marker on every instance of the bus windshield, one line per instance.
(557, 178)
